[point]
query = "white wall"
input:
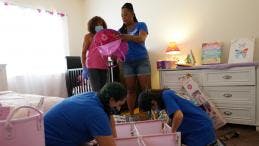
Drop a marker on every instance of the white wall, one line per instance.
(188, 22)
(75, 15)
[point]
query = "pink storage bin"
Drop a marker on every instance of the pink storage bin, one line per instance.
(133, 141)
(4, 111)
(26, 131)
(151, 127)
(172, 139)
(123, 130)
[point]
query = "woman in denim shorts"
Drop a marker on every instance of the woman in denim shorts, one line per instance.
(137, 65)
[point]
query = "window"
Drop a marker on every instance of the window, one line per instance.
(33, 44)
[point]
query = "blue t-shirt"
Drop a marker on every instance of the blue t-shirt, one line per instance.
(137, 51)
(76, 120)
(196, 127)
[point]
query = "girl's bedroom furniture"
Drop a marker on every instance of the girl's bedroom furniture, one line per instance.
(75, 81)
(233, 88)
(3, 80)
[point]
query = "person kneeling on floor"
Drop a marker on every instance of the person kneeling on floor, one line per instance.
(82, 118)
(194, 124)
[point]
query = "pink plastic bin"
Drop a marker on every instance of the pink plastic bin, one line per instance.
(150, 127)
(123, 130)
(147, 133)
(26, 131)
(133, 141)
(162, 140)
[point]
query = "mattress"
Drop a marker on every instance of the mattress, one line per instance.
(13, 100)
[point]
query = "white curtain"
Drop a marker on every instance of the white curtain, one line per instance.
(33, 44)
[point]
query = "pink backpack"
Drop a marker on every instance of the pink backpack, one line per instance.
(109, 43)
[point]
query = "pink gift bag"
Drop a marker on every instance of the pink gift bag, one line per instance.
(25, 131)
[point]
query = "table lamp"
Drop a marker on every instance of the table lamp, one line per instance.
(172, 48)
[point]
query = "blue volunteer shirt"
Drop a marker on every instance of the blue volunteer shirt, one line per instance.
(196, 127)
(137, 51)
(76, 120)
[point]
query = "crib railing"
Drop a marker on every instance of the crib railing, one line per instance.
(75, 82)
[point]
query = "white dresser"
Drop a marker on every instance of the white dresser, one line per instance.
(234, 91)
(3, 80)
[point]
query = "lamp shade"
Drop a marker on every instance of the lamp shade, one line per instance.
(172, 48)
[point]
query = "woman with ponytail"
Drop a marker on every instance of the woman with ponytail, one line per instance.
(82, 118)
(195, 125)
(136, 67)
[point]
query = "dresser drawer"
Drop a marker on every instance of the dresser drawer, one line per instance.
(171, 78)
(238, 115)
(231, 94)
(233, 76)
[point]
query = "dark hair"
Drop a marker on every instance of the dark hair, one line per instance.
(115, 90)
(128, 6)
(145, 98)
(93, 22)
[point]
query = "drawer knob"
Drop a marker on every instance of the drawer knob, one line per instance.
(227, 77)
(228, 113)
(227, 95)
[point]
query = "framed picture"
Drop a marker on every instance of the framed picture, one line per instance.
(211, 53)
(241, 50)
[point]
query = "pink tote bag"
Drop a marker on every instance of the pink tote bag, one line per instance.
(26, 131)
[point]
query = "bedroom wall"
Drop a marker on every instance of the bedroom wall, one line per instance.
(188, 22)
(75, 16)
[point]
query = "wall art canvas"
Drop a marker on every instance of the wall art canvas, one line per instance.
(241, 50)
(211, 53)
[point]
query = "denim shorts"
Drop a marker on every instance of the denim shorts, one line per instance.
(137, 68)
